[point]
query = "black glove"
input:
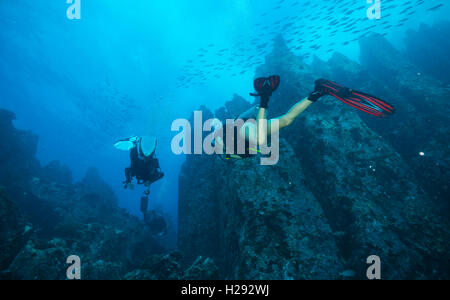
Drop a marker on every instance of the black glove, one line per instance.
(319, 91)
(265, 93)
(325, 87)
(264, 101)
(316, 95)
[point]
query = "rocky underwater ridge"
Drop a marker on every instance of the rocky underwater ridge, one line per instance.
(45, 218)
(347, 185)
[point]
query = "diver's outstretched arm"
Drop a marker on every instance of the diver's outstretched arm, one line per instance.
(265, 87)
(261, 122)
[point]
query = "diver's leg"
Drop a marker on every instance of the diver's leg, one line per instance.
(258, 134)
(263, 127)
(144, 204)
(128, 174)
(290, 116)
(127, 177)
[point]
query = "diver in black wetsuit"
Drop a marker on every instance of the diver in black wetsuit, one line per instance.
(146, 170)
(144, 166)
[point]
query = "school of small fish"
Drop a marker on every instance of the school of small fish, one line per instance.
(309, 27)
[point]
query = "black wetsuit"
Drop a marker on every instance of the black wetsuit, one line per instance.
(145, 170)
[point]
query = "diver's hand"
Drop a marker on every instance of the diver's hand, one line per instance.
(265, 88)
(316, 95)
(265, 94)
(320, 90)
(324, 87)
(264, 99)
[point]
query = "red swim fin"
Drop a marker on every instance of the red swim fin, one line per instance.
(266, 85)
(359, 100)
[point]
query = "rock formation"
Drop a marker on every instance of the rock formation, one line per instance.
(45, 218)
(347, 185)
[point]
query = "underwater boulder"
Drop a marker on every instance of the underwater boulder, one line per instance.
(170, 267)
(159, 267)
(320, 67)
(202, 269)
(14, 230)
(198, 208)
(56, 172)
(92, 183)
(228, 213)
(232, 108)
(33, 263)
(387, 64)
(281, 60)
(369, 195)
(347, 72)
(104, 270)
(373, 194)
(420, 124)
(431, 54)
(272, 226)
(6, 118)
(17, 155)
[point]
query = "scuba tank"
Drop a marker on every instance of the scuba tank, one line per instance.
(144, 204)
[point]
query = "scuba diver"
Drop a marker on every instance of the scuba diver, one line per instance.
(156, 223)
(144, 166)
(252, 133)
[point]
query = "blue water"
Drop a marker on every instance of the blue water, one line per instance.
(132, 67)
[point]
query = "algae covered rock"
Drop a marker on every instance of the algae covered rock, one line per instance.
(264, 224)
(273, 227)
(369, 194)
(14, 230)
(33, 263)
(170, 267)
(421, 124)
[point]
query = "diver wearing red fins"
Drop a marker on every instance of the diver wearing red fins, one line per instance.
(255, 134)
(359, 100)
